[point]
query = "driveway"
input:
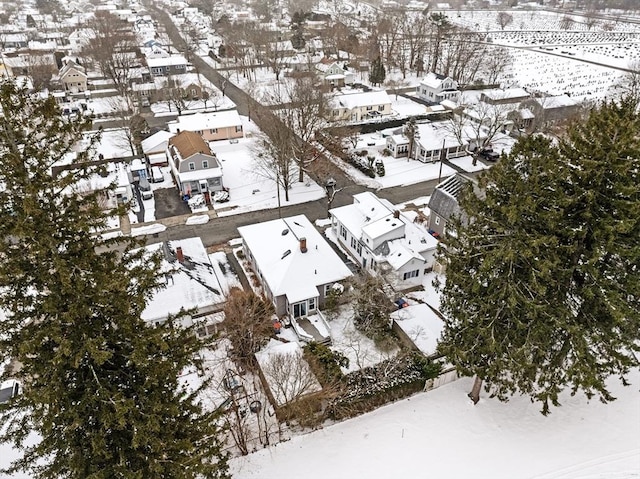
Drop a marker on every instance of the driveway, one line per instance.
(169, 203)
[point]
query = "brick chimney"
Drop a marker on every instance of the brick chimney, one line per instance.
(396, 214)
(303, 245)
(179, 254)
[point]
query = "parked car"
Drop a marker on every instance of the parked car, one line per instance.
(8, 390)
(488, 154)
(156, 174)
(221, 196)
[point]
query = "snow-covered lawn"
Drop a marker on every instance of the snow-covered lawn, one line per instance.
(441, 434)
(248, 191)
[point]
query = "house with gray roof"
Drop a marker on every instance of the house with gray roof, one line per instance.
(444, 203)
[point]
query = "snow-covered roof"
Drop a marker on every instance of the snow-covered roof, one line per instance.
(432, 136)
(421, 325)
(157, 142)
(374, 217)
(173, 60)
(500, 94)
(190, 284)
(357, 100)
(205, 121)
(433, 80)
(284, 267)
(559, 101)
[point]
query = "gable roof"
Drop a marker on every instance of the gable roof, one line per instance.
(374, 217)
(356, 100)
(188, 143)
(173, 60)
(433, 80)
(192, 283)
(444, 200)
(157, 142)
(206, 121)
(284, 267)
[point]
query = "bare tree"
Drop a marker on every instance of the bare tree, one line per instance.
(40, 69)
(248, 324)
(476, 126)
(503, 19)
(494, 63)
(289, 377)
(415, 33)
(388, 32)
(462, 56)
(114, 49)
(629, 84)
(305, 113)
(275, 158)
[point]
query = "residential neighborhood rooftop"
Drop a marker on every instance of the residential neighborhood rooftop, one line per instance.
(276, 247)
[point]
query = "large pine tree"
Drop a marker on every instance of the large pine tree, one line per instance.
(101, 391)
(543, 283)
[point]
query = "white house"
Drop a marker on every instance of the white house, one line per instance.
(297, 269)
(359, 106)
(436, 88)
(383, 240)
(190, 283)
(333, 73)
(433, 142)
(73, 77)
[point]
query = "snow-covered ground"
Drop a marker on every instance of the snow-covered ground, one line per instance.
(441, 434)
(249, 191)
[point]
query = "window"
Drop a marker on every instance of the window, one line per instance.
(194, 92)
(312, 304)
(166, 68)
(213, 131)
(238, 128)
(327, 289)
(199, 132)
(192, 166)
(343, 232)
(410, 274)
(381, 108)
(300, 309)
(359, 249)
(369, 108)
(205, 163)
(353, 243)
(437, 220)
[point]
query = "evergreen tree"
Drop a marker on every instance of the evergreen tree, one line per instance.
(100, 387)
(377, 72)
(543, 288)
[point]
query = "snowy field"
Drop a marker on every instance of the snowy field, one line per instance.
(441, 434)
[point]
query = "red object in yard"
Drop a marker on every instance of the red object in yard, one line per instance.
(277, 326)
